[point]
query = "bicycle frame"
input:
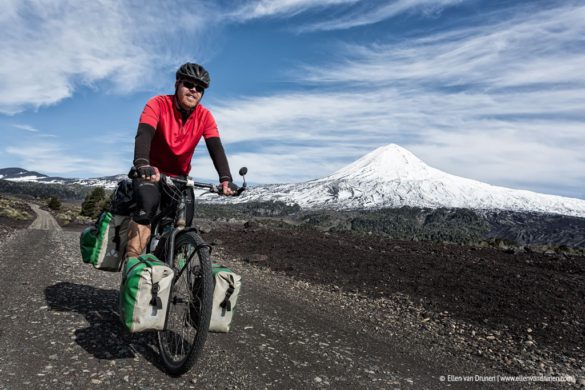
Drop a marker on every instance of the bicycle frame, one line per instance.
(177, 210)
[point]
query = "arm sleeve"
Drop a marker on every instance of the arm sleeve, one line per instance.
(146, 128)
(142, 144)
(219, 158)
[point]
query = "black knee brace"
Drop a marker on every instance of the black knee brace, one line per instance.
(147, 200)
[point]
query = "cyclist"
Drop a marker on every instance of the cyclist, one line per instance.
(169, 129)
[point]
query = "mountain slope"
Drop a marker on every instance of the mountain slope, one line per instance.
(391, 176)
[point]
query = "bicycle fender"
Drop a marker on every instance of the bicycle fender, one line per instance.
(194, 230)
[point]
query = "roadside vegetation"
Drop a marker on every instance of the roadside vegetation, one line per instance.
(15, 209)
(14, 214)
(69, 215)
(54, 203)
(95, 202)
(75, 213)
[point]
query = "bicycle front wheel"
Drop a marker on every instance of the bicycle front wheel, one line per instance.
(190, 303)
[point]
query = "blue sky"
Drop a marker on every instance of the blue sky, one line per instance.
(489, 90)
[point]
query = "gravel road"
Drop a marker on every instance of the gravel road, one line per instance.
(61, 329)
(44, 220)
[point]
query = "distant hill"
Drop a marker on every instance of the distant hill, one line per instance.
(19, 174)
(23, 175)
(73, 192)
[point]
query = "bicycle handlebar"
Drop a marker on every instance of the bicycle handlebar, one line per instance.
(213, 188)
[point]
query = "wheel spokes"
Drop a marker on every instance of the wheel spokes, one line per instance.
(186, 303)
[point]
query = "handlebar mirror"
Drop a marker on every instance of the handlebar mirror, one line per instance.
(243, 171)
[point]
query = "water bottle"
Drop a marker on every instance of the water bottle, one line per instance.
(154, 242)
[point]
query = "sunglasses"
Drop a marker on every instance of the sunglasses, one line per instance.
(191, 85)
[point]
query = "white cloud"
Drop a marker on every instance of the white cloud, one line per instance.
(28, 128)
(282, 8)
(48, 49)
(54, 159)
(445, 130)
(337, 14)
(519, 156)
(277, 163)
(121, 138)
(373, 13)
(543, 47)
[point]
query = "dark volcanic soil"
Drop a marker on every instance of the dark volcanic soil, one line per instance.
(533, 296)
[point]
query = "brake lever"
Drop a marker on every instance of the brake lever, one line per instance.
(167, 180)
(133, 173)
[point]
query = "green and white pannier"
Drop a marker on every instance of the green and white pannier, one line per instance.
(144, 293)
(104, 244)
(226, 289)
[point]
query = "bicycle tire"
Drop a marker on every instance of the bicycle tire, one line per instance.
(189, 312)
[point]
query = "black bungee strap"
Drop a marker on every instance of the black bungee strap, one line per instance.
(226, 304)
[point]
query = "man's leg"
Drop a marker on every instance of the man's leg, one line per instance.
(138, 236)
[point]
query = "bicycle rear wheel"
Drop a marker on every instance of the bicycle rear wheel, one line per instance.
(190, 303)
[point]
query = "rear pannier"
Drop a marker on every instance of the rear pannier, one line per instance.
(104, 244)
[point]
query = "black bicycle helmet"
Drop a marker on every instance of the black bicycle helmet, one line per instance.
(194, 71)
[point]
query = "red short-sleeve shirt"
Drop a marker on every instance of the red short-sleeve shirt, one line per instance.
(174, 142)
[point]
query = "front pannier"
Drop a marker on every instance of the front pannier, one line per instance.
(144, 293)
(226, 289)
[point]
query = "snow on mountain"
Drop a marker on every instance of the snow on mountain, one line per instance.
(25, 178)
(391, 176)
(109, 182)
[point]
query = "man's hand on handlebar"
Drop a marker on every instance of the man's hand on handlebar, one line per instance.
(228, 188)
(148, 173)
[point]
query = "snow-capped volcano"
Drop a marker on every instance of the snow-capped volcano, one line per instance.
(391, 176)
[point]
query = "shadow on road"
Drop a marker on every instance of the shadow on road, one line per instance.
(105, 337)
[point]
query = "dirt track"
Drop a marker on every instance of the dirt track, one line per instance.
(60, 329)
(44, 220)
